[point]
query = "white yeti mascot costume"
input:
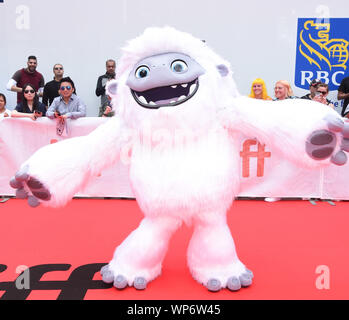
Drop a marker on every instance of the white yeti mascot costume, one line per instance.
(178, 115)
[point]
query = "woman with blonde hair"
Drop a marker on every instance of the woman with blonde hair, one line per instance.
(259, 90)
(283, 90)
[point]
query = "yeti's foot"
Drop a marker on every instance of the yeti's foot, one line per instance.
(26, 184)
(234, 283)
(321, 144)
(120, 281)
(234, 276)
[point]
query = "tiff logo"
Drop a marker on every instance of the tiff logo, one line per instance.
(246, 154)
(75, 288)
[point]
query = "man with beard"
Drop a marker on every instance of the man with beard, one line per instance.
(27, 75)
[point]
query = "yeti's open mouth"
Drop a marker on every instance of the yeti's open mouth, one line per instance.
(167, 96)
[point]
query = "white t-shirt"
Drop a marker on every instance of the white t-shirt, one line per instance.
(3, 113)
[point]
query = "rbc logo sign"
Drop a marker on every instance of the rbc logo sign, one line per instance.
(322, 51)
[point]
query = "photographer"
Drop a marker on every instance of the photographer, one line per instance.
(321, 94)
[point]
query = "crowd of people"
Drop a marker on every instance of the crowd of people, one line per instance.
(60, 100)
(318, 91)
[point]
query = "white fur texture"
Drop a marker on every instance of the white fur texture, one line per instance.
(184, 162)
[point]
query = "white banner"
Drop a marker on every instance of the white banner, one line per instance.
(264, 173)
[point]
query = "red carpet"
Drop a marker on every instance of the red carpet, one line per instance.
(283, 243)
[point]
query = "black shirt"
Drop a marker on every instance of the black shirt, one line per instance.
(50, 92)
(100, 89)
(344, 87)
(40, 107)
(101, 82)
(308, 97)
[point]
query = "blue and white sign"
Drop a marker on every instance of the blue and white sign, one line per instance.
(322, 51)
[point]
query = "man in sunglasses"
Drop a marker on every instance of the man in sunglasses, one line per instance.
(321, 95)
(27, 75)
(51, 88)
(312, 89)
(316, 95)
(68, 105)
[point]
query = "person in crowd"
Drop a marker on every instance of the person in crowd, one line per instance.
(259, 90)
(312, 89)
(51, 88)
(343, 94)
(24, 76)
(30, 106)
(283, 90)
(321, 94)
(105, 109)
(68, 105)
(318, 92)
(4, 113)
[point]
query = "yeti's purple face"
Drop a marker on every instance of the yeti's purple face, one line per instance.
(164, 80)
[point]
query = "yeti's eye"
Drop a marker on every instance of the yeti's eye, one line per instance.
(142, 72)
(179, 66)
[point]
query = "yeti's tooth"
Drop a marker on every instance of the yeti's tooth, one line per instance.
(181, 97)
(192, 88)
(184, 85)
(174, 87)
(152, 103)
(142, 99)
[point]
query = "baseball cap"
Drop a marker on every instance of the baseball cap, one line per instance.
(315, 82)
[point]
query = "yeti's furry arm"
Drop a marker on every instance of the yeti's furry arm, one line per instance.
(55, 173)
(289, 126)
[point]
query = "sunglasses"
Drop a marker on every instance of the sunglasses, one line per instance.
(321, 92)
(65, 88)
(58, 68)
(27, 91)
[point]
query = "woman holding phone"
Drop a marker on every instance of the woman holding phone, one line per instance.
(30, 107)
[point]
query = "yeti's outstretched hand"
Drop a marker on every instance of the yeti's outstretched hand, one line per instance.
(321, 144)
(28, 187)
(56, 172)
(308, 133)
